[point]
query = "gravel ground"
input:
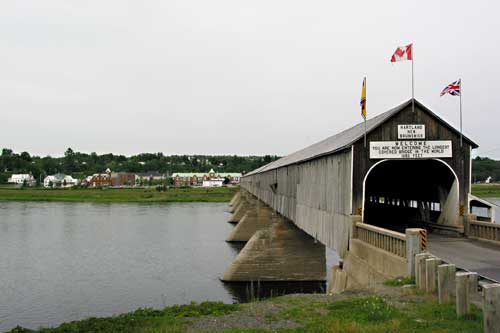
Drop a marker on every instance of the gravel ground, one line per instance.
(256, 315)
(264, 314)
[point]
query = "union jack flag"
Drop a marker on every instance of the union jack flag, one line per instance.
(452, 89)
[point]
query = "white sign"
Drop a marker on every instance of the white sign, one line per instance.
(410, 149)
(411, 131)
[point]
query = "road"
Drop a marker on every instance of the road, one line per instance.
(472, 255)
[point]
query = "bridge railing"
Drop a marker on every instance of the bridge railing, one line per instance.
(484, 230)
(388, 240)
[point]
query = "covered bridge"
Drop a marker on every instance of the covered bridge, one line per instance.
(415, 169)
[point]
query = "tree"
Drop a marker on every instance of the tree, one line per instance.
(69, 161)
(25, 156)
(6, 152)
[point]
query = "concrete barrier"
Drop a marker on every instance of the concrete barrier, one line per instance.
(446, 283)
(431, 279)
(484, 231)
(464, 284)
(385, 239)
(491, 308)
(385, 263)
(413, 247)
(420, 270)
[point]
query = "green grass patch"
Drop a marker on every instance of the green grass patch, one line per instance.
(169, 319)
(376, 314)
(350, 314)
(219, 194)
(399, 282)
(486, 190)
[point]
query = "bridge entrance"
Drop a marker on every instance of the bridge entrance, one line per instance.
(401, 194)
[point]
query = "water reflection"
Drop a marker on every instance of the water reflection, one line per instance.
(243, 292)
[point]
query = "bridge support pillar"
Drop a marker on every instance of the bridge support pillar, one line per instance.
(281, 252)
(235, 199)
(254, 220)
(446, 283)
(246, 202)
(491, 308)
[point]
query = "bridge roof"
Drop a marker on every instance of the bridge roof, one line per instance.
(346, 138)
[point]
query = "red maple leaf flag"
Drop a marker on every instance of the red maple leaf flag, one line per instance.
(403, 53)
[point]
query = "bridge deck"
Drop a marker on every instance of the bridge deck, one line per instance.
(472, 255)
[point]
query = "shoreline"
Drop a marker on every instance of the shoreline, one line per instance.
(385, 308)
(125, 195)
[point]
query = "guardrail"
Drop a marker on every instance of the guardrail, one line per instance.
(388, 240)
(484, 230)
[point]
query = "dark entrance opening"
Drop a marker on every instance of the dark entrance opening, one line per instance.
(403, 194)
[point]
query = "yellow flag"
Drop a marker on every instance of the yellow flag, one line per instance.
(363, 99)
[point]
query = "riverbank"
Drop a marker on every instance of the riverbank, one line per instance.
(213, 194)
(390, 309)
(486, 190)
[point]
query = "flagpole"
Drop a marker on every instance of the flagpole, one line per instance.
(412, 80)
(365, 109)
(365, 132)
(461, 135)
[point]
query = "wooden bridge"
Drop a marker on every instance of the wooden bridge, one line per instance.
(371, 195)
(412, 170)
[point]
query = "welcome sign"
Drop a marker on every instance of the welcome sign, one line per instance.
(410, 149)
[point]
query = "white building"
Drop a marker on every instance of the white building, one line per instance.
(59, 180)
(21, 179)
(213, 182)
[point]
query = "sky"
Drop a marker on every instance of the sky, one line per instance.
(235, 77)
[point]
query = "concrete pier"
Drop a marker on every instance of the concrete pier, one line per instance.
(255, 219)
(281, 252)
(235, 199)
(245, 203)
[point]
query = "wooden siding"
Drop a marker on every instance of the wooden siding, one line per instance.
(315, 195)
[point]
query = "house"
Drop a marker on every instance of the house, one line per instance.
(59, 180)
(122, 179)
(214, 182)
(150, 176)
(21, 179)
(234, 177)
(100, 180)
(198, 179)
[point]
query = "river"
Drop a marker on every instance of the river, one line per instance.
(496, 201)
(67, 261)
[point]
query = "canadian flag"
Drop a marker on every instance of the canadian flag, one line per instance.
(403, 53)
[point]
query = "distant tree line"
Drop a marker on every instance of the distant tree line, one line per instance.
(80, 164)
(484, 167)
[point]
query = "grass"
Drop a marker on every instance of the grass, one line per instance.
(486, 190)
(348, 313)
(377, 314)
(221, 194)
(399, 282)
(169, 319)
